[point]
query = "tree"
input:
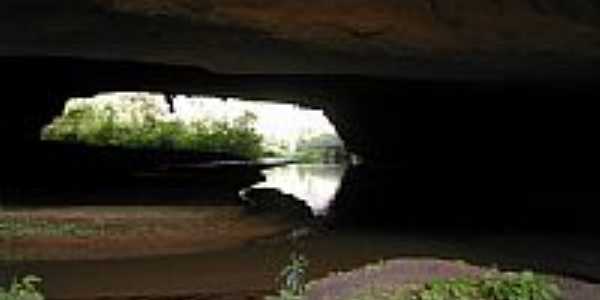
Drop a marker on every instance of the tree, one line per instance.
(138, 122)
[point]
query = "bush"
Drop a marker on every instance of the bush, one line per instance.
(25, 289)
(319, 149)
(309, 156)
(493, 286)
(102, 126)
(518, 286)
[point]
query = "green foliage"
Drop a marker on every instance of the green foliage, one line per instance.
(25, 289)
(318, 149)
(18, 228)
(293, 279)
(102, 126)
(309, 156)
(493, 286)
(518, 286)
(321, 141)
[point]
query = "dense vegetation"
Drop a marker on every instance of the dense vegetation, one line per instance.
(324, 148)
(144, 125)
(493, 286)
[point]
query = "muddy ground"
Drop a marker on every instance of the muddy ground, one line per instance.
(122, 232)
(168, 253)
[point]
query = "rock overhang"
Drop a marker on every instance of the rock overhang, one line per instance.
(409, 39)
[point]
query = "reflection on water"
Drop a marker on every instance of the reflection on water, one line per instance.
(315, 184)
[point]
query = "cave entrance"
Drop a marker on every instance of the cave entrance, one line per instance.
(211, 143)
(163, 175)
(242, 128)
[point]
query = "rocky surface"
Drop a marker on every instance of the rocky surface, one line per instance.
(404, 271)
(416, 38)
(456, 138)
(272, 201)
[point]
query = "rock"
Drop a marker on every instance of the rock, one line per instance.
(266, 200)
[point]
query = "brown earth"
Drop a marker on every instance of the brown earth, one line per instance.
(248, 271)
(119, 232)
(412, 38)
(394, 27)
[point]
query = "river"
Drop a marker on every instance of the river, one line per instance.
(247, 269)
(316, 184)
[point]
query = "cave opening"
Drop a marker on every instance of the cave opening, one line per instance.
(243, 128)
(383, 208)
(469, 120)
(161, 149)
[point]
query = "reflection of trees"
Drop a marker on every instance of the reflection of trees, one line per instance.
(315, 184)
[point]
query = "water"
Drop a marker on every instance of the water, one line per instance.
(316, 184)
(244, 256)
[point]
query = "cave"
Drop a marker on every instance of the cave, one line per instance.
(471, 142)
(469, 117)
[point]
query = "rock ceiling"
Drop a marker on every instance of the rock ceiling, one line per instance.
(376, 37)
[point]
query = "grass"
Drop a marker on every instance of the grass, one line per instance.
(493, 286)
(21, 228)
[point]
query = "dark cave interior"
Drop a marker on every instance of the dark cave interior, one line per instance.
(474, 120)
(482, 153)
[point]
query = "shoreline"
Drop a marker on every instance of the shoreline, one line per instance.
(93, 233)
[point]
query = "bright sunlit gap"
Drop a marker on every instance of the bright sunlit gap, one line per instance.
(280, 124)
(135, 118)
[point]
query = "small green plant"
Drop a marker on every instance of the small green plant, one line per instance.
(24, 289)
(293, 279)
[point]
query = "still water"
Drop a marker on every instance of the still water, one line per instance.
(243, 259)
(315, 184)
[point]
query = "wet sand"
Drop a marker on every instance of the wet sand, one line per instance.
(222, 252)
(249, 270)
(135, 231)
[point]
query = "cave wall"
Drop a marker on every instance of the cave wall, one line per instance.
(477, 102)
(448, 152)
(410, 38)
(391, 121)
